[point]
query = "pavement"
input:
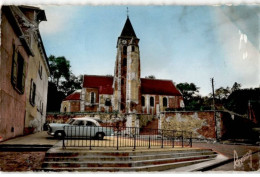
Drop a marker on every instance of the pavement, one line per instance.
(232, 157)
(39, 138)
(239, 157)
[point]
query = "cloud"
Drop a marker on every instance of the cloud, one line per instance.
(58, 18)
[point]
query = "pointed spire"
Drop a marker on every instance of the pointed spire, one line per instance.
(128, 30)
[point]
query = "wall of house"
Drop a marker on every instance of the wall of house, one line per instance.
(74, 106)
(172, 102)
(102, 101)
(201, 124)
(12, 109)
(65, 104)
(36, 114)
(88, 106)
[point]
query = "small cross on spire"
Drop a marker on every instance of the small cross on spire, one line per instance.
(127, 11)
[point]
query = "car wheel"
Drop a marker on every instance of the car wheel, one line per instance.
(100, 136)
(59, 134)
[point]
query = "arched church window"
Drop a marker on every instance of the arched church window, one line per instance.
(124, 62)
(108, 102)
(151, 101)
(165, 102)
(125, 50)
(92, 97)
(133, 48)
(143, 101)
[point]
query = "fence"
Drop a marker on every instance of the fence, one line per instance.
(115, 136)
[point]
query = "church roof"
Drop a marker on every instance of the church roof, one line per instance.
(148, 86)
(103, 83)
(128, 30)
(158, 87)
(73, 96)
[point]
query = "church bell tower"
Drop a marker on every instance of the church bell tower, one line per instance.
(127, 83)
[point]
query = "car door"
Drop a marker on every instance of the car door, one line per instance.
(91, 128)
(76, 129)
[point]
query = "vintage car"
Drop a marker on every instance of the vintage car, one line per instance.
(79, 127)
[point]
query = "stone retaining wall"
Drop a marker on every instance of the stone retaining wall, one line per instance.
(201, 124)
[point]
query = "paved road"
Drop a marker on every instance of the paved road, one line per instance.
(251, 155)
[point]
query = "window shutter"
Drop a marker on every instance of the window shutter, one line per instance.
(14, 67)
(23, 77)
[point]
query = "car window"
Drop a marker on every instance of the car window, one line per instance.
(79, 123)
(70, 121)
(90, 123)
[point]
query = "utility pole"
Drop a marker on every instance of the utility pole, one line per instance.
(213, 94)
(214, 108)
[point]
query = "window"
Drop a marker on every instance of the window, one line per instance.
(165, 102)
(125, 50)
(92, 97)
(32, 93)
(90, 123)
(133, 48)
(151, 101)
(108, 102)
(122, 106)
(143, 101)
(79, 123)
(18, 71)
(124, 62)
(40, 70)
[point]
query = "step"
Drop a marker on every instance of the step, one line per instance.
(124, 158)
(77, 152)
(159, 167)
(122, 163)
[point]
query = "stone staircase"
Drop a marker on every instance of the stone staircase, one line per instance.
(128, 160)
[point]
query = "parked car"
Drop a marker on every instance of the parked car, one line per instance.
(79, 127)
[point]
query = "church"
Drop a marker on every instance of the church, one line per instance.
(126, 92)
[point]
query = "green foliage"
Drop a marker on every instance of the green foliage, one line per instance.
(190, 95)
(62, 82)
(60, 67)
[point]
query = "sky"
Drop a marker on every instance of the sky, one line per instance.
(180, 43)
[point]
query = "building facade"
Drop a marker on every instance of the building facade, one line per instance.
(20, 46)
(126, 92)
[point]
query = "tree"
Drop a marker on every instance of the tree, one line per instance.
(238, 99)
(188, 90)
(150, 77)
(222, 93)
(236, 86)
(69, 86)
(62, 82)
(55, 98)
(60, 67)
(190, 94)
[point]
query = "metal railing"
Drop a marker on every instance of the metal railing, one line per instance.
(115, 136)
